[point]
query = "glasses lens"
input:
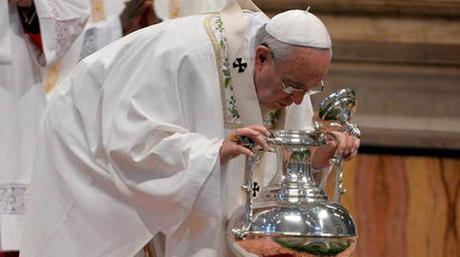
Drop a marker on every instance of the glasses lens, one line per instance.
(287, 89)
(290, 89)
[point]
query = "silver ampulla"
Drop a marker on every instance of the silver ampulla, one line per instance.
(292, 215)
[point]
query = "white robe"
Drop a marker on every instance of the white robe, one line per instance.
(94, 36)
(22, 98)
(131, 148)
(170, 9)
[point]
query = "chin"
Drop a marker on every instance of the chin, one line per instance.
(278, 106)
(271, 105)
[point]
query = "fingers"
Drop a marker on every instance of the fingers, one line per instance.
(354, 150)
(257, 133)
(231, 148)
(237, 150)
(347, 145)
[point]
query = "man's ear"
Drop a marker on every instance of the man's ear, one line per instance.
(262, 54)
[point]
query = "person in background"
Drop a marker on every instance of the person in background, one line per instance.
(170, 9)
(110, 20)
(33, 35)
(113, 19)
(135, 15)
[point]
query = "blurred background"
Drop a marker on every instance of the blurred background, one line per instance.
(403, 60)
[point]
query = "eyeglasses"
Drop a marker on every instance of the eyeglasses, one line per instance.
(290, 89)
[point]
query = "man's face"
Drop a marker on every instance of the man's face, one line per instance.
(303, 71)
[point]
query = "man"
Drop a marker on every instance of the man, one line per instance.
(33, 34)
(136, 142)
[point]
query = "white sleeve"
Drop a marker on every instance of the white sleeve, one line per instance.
(61, 21)
(164, 175)
(100, 34)
(5, 41)
(154, 156)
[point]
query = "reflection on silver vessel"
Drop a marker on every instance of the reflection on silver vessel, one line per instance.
(292, 215)
(285, 231)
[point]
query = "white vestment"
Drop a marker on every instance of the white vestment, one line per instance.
(94, 36)
(22, 98)
(129, 147)
(170, 9)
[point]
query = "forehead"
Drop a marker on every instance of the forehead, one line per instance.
(305, 64)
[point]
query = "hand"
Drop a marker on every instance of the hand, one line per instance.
(137, 14)
(21, 3)
(230, 149)
(347, 147)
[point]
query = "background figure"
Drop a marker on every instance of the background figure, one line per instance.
(170, 9)
(136, 14)
(33, 34)
(110, 20)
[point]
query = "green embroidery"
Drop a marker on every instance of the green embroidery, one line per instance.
(271, 118)
(219, 24)
(231, 113)
(231, 108)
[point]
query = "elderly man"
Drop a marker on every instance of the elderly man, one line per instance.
(136, 142)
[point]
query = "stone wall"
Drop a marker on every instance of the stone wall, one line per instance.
(403, 60)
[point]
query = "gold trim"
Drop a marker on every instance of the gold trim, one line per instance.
(175, 8)
(97, 11)
(147, 250)
(218, 54)
(51, 77)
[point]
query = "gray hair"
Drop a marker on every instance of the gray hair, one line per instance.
(279, 49)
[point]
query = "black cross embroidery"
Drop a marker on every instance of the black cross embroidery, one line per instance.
(255, 188)
(238, 63)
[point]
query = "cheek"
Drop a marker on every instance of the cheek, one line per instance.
(275, 93)
(268, 90)
(272, 97)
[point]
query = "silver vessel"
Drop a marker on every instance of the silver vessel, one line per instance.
(292, 215)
